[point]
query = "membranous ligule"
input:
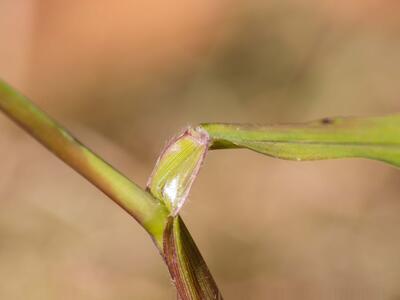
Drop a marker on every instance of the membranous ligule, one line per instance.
(177, 168)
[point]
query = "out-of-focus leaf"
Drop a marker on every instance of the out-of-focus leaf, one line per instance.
(177, 167)
(375, 138)
(188, 270)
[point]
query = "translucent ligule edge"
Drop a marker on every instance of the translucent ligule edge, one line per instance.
(177, 168)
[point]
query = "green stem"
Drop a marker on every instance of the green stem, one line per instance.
(192, 277)
(147, 210)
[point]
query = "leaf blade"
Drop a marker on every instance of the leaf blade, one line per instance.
(375, 138)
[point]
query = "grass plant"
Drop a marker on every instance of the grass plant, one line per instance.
(156, 208)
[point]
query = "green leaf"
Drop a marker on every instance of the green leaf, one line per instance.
(177, 168)
(375, 138)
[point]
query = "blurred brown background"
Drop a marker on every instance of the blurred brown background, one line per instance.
(124, 76)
